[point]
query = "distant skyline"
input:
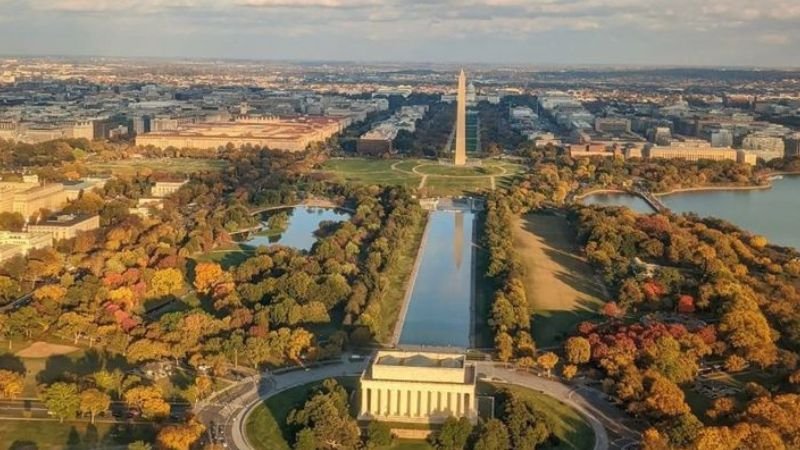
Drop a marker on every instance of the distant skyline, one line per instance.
(548, 32)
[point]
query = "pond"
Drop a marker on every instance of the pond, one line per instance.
(294, 226)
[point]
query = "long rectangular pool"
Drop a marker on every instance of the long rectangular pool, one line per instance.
(439, 309)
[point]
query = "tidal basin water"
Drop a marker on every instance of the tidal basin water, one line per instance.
(439, 311)
(303, 221)
(773, 213)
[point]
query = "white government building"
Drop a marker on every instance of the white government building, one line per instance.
(418, 387)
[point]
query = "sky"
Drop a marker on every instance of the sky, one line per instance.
(636, 32)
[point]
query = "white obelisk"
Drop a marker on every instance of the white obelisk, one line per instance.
(461, 121)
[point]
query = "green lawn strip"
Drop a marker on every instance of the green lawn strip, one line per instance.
(398, 278)
(356, 165)
(266, 426)
(571, 429)
(455, 171)
(441, 186)
(47, 435)
(174, 165)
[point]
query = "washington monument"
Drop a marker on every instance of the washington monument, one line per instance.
(461, 121)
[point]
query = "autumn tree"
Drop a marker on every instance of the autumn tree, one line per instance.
(11, 384)
(148, 400)
(493, 435)
(180, 437)
(547, 361)
(454, 434)
(577, 350)
(94, 401)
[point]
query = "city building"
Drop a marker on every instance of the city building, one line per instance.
(418, 387)
(163, 189)
(20, 243)
(691, 153)
(766, 146)
(613, 125)
(278, 133)
(722, 138)
(792, 145)
(75, 188)
(65, 226)
(51, 197)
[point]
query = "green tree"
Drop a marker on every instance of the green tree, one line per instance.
(454, 434)
(578, 350)
(62, 400)
(379, 434)
(493, 436)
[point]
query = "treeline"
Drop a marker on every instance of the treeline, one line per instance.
(510, 316)
(555, 178)
(703, 290)
(132, 288)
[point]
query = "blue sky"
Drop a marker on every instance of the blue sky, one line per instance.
(666, 32)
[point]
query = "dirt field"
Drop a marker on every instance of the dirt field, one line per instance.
(45, 350)
(559, 284)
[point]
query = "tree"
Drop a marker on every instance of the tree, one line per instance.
(305, 440)
(109, 382)
(493, 436)
(180, 437)
(379, 434)
(527, 427)
(454, 434)
(663, 398)
(578, 350)
(11, 384)
(166, 282)
(569, 371)
(504, 344)
(202, 387)
(326, 414)
(62, 400)
(547, 361)
(207, 275)
(139, 445)
(148, 400)
(93, 401)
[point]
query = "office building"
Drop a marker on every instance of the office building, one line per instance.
(65, 226)
(612, 125)
(19, 243)
(163, 189)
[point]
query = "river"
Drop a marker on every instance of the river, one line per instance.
(439, 310)
(774, 213)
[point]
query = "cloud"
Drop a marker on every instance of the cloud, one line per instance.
(774, 39)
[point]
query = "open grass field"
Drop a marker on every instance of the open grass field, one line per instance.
(560, 285)
(51, 435)
(440, 180)
(172, 165)
(571, 429)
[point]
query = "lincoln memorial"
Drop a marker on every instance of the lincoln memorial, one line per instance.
(418, 387)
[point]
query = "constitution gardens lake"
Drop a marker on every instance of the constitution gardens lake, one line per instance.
(293, 226)
(439, 309)
(773, 213)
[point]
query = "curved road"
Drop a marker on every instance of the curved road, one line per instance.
(231, 407)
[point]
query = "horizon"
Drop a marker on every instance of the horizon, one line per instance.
(466, 65)
(718, 33)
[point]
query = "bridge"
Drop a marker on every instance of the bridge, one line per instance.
(652, 200)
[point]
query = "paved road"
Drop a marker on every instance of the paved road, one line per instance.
(229, 410)
(607, 422)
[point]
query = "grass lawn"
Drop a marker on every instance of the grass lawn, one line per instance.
(572, 431)
(434, 169)
(266, 426)
(48, 369)
(398, 280)
(441, 180)
(404, 444)
(73, 435)
(227, 257)
(561, 288)
(173, 165)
